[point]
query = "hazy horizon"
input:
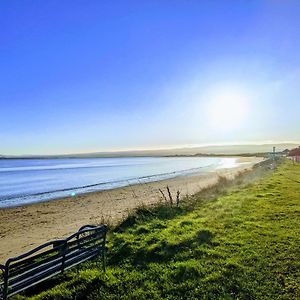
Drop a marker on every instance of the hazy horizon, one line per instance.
(229, 149)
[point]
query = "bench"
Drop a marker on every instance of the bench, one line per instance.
(52, 258)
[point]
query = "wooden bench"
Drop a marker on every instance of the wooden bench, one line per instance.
(52, 258)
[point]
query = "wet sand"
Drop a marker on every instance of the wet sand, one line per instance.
(23, 228)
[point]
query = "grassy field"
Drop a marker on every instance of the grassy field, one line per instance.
(230, 242)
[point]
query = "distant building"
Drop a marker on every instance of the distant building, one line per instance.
(285, 152)
(295, 154)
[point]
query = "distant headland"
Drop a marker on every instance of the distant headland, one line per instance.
(214, 150)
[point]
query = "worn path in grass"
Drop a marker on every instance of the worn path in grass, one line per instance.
(244, 244)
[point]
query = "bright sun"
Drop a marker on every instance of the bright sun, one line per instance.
(227, 109)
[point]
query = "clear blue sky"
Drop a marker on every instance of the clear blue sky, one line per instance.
(83, 76)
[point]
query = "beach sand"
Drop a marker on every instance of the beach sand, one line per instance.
(23, 228)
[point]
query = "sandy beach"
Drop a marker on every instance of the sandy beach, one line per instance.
(23, 228)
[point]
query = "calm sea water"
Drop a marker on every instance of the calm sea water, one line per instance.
(24, 181)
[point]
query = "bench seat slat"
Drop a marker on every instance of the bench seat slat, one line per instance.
(19, 289)
(92, 254)
(73, 259)
(83, 240)
(75, 245)
(18, 265)
(36, 269)
(39, 268)
(34, 263)
(25, 283)
(31, 262)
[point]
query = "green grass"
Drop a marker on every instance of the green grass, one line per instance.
(243, 244)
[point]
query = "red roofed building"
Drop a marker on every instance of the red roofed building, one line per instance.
(295, 154)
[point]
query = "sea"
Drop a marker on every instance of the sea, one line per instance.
(27, 181)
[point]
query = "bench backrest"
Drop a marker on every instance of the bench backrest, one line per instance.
(52, 258)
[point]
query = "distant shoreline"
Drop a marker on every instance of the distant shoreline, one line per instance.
(208, 151)
(263, 154)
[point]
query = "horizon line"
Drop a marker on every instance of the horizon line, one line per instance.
(160, 148)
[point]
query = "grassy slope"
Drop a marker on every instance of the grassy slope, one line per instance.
(241, 245)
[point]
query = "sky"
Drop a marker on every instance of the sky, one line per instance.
(88, 76)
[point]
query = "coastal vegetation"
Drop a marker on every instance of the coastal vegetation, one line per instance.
(235, 240)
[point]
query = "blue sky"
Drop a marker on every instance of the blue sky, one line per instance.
(84, 76)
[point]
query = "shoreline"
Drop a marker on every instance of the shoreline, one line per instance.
(40, 197)
(25, 227)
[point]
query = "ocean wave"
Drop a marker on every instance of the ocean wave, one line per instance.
(111, 184)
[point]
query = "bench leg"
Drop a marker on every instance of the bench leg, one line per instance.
(5, 284)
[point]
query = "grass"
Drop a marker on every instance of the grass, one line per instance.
(227, 243)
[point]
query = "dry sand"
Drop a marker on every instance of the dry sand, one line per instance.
(23, 228)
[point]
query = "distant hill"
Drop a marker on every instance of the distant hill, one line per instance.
(227, 149)
(205, 150)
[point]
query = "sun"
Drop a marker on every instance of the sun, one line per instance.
(227, 109)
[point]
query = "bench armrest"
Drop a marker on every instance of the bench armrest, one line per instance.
(87, 226)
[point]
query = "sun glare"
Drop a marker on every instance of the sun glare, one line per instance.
(227, 109)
